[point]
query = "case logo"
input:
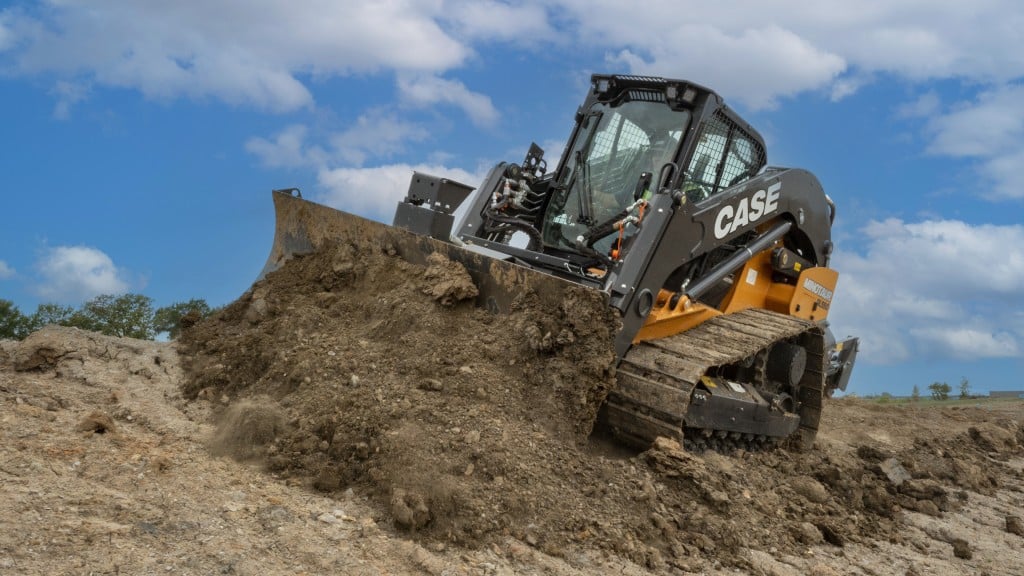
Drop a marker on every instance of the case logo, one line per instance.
(749, 210)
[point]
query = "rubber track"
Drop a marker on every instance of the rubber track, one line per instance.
(656, 379)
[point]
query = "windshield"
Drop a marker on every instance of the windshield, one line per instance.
(613, 148)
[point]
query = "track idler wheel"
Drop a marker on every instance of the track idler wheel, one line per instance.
(786, 364)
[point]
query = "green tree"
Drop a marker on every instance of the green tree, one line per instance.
(179, 316)
(50, 313)
(915, 394)
(940, 390)
(965, 388)
(13, 324)
(128, 315)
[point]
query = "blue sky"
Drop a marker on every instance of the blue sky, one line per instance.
(141, 140)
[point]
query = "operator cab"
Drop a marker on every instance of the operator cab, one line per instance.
(634, 137)
(615, 145)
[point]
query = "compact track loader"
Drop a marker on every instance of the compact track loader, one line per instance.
(717, 264)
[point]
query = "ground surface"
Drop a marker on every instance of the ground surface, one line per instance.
(355, 415)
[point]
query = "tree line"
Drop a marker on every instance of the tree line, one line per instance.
(941, 390)
(126, 315)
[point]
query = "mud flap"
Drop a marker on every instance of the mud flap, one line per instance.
(304, 227)
(847, 357)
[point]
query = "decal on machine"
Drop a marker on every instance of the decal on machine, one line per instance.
(750, 209)
(817, 289)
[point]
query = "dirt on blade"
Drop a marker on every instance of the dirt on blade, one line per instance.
(457, 420)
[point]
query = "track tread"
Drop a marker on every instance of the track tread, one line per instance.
(657, 378)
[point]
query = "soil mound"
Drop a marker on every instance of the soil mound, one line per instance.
(470, 428)
(103, 469)
(463, 423)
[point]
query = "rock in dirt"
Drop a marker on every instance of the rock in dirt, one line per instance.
(409, 509)
(962, 549)
(924, 489)
(807, 533)
(831, 535)
(1014, 525)
(810, 489)
(870, 453)
(447, 281)
(993, 439)
(894, 471)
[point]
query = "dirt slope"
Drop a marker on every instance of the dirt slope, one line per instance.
(387, 426)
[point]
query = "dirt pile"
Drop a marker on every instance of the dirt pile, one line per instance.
(105, 468)
(469, 428)
(466, 424)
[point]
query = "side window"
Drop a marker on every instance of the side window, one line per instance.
(741, 161)
(724, 156)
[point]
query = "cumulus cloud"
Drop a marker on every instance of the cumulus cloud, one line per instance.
(491, 20)
(68, 94)
(370, 191)
(73, 274)
(6, 35)
(377, 134)
(785, 64)
(253, 54)
(991, 130)
(262, 53)
(933, 289)
(430, 90)
(924, 106)
(287, 149)
(5, 271)
(758, 52)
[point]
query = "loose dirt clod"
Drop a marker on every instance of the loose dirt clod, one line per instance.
(97, 422)
(247, 428)
(961, 548)
(1014, 526)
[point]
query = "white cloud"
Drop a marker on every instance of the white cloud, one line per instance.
(263, 53)
(6, 35)
(375, 134)
(982, 128)
(5, 271)
(247, 54)
(925, 106)
(77, 273)
(419, 90)
(490, 20)
(287, 149)
(378, 134)
(933, 289)
(68, 94)
(754, 66)
(344, 183)
(991, 130)
(374, 192)
(757, 52)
